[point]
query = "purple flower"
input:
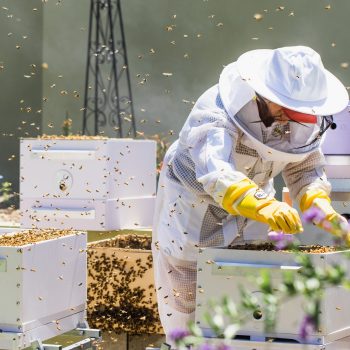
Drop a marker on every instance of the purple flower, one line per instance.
(281, 239)
(178, 334)
(281, 245)
(275, 236)
(313, 215)
(307, 326)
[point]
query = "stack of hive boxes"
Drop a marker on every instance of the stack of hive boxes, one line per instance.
(99, 184)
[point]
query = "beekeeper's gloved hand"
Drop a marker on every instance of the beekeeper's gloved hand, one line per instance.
(328, 219)
(246, 199)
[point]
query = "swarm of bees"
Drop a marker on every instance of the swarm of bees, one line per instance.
(312, 249)
(121, 294)
(31, 236)
(71, 137)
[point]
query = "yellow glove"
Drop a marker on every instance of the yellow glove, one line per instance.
(332, 221)
(246, 199)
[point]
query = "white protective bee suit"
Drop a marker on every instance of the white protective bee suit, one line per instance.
(221, 143)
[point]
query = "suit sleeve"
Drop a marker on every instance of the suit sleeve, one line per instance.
(307, 174)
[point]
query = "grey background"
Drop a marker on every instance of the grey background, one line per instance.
(21, 28)
(205, 36)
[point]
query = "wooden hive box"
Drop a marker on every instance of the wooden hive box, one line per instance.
(121, 295)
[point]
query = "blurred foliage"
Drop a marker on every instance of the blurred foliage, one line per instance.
(309, 282)
(67, 126)
(8, 198)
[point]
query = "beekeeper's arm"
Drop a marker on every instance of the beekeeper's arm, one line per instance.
(308, 185)
(238, 195)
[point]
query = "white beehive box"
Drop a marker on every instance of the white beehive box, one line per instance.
(94, 184)
(222, 272)
(43, 285)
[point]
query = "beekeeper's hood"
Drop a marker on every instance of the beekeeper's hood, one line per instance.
(292, 77)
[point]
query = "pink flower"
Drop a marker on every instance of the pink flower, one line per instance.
(313, 215)
(178, 334)
(281, 240)
(307, 326)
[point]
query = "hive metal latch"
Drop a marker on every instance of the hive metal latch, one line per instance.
(87, 343)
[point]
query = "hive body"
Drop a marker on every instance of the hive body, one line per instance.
(101, 184)
(121, 294)
(43, 285)
(223, 271)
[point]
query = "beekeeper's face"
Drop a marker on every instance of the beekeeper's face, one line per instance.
(277, 112)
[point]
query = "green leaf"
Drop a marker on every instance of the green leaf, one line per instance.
(264, 281)
(194, 329)
(346, 284)
(229, 308)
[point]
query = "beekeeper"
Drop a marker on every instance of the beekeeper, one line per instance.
(266, 116)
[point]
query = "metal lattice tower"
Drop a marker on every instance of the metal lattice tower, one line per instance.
(108, 99)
